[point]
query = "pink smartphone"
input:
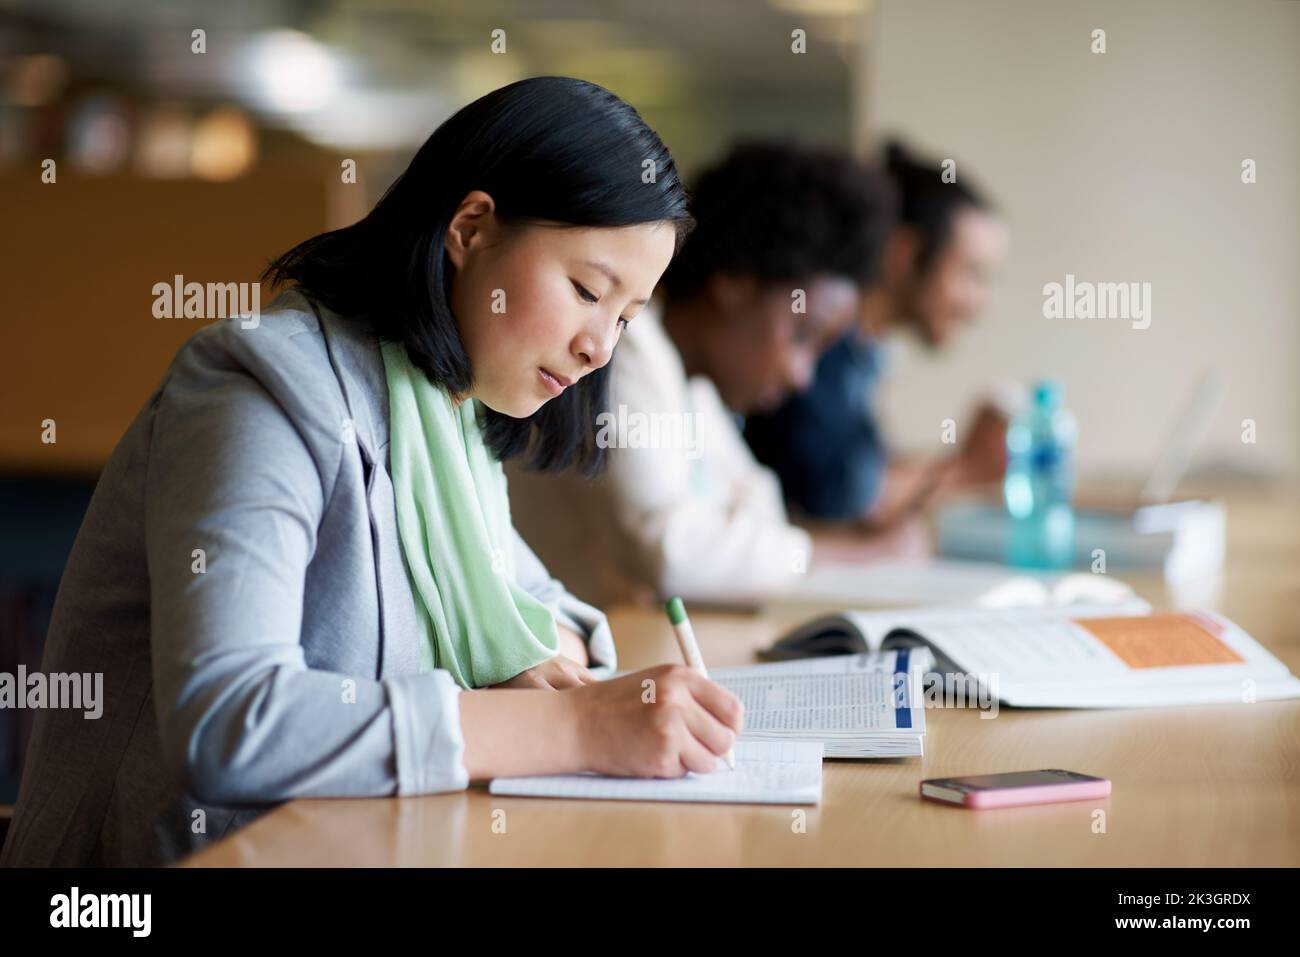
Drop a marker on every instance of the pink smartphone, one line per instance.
(1015, 789)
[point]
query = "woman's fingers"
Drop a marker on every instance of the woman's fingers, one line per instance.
(583, 675)
(567, 673)
(718, 701)
(709, 731)
(696, 757)
(555, 674)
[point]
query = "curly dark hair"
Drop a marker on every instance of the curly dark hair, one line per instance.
(925, 201)
(783, 212)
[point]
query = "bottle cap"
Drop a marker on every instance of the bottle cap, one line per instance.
(1048, 393)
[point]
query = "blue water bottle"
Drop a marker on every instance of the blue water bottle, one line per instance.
(1039, 483)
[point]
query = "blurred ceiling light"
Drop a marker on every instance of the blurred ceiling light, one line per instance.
(377, 120)
(822, 8)
(165, 144)
(225, 145)
(290, 72)
(37, 79)
(99, 137)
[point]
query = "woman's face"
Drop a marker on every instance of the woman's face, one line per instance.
(955, 289)
(540, 306)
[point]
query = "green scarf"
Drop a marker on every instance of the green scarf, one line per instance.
(453, 517)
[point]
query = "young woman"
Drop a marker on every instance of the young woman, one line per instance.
(298, 569)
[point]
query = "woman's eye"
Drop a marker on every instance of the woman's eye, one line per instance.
(622, 323)
(584, 292)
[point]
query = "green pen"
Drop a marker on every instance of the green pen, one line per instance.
(691, 651)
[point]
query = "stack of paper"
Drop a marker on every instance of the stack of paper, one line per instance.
(858, 706)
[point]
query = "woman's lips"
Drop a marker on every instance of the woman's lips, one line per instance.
(554, 384)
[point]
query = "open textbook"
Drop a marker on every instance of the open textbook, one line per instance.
(767, 772)
(1084, 657)
(858, 706)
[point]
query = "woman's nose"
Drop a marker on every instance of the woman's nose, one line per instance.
(594, 349)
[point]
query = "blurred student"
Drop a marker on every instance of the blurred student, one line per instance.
(786, 239)
(298, 576)
(826, 444)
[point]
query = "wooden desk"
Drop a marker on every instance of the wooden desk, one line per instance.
(1193, 786)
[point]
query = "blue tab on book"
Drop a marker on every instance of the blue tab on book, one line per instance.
(902, 715)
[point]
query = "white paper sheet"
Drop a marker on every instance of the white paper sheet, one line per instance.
(767, 772)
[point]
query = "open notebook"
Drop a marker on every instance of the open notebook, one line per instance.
(1086, 657)
(857, 706)
(767, 772)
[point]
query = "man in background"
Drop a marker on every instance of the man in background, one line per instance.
(825, 444)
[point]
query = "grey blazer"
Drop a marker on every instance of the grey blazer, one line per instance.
(281, 660)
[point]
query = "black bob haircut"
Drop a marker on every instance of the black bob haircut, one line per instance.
(547, 148)
(925, 201)
(779, 212)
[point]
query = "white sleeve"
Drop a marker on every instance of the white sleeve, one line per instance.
(706, 518)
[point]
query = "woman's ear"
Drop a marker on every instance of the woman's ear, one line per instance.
(731, 293)
(901, 251)
(470, 224)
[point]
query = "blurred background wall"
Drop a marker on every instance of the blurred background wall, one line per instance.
(1115, 167)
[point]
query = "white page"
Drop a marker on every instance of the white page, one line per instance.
(876, 625)
(1140, 693)
(767, 772)
(884, 662)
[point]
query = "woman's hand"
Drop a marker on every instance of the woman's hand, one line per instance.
(573, 646)
(983, 458)
(661, 722)
(554, 674)
(568, 669)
